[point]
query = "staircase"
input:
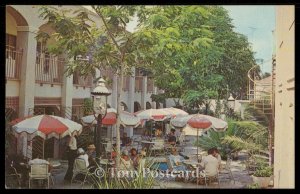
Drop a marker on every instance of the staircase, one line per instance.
(261, 97)
(260, 91)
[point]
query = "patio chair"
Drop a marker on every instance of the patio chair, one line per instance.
(158, 148)
(136, 143)
(39, 172)
(80, 168)
(207, 178)
(12, 178)
(227, 170)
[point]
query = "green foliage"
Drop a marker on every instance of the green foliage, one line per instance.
(252, 113)
(263, 171)
(199, 53)
(253, 186)
(138, 181)
(87, 106)
(239, 135)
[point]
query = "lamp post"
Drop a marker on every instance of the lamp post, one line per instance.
(99, 96)
(231, 103)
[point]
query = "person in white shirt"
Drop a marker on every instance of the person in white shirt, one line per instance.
(73, 143)
(82, 155)
(217, 155)
(177, 161)
(72, 154)
(210, 164)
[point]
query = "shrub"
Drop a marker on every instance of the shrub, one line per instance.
(263, 171)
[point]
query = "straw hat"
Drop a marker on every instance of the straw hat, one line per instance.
(92, 146)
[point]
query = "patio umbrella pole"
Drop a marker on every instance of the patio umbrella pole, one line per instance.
(197, 144)
(43, 149)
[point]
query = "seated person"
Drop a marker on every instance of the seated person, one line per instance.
(176, 161)
(82, 155)
(158, 132)
(134, 158)
(126, 163)
(218, 156)
(126, 141)
(172, 138)
(210, 164)
(91, 152)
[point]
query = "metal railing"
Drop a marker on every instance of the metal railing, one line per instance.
(13, 60)
(49, 69)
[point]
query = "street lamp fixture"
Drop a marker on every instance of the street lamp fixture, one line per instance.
(99, 97)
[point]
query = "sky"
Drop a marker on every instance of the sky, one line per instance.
(257, 23)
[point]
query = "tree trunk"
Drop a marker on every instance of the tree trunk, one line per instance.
(119, 90)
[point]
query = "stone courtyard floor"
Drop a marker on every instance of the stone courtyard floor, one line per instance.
(242, 179)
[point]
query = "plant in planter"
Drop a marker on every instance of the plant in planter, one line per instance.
(253, 186)
(263, 175)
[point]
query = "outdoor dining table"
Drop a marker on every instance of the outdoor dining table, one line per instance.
(55, 163)
(190, 162)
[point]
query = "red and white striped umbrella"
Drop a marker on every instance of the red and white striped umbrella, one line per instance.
(126, 118)
(183, 122)
(47, 126)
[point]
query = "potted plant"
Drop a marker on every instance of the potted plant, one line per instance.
(262, 176)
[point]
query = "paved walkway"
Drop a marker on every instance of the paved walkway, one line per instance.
(242, 179)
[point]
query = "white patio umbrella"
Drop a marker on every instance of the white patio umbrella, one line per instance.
(153, 114)
(175, 111)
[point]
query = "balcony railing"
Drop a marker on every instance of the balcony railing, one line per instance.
(13, 63)
(49, 69)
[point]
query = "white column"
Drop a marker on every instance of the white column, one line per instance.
(26, 40)
(244, 104)
(154, 92)
(114, 92)
(130, 101)
(129, 131)
(144, 93)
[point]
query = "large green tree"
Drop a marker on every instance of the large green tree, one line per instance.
(193, 52)
(89, 48)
